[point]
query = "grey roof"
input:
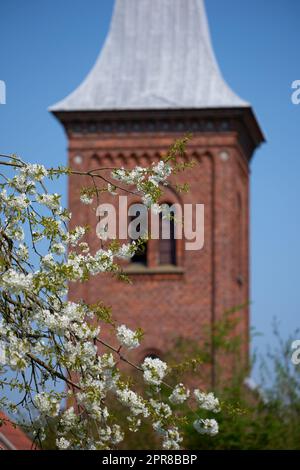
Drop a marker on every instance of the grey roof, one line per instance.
(157, 55)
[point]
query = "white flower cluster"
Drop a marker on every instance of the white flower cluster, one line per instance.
(127, 337)
(172, 439)
(22, 184)
(69, 419)
(126, 251)
(129, 177)
(52, 201)
(15, 203)
(206, 426)
(34, 171)
(58, 248)
(86, 199)
(76, 234)
(23, 252)
(111, 189)
(81, 355)
(162, 410)
(161, 171)
(134, 423)
(62, 443)
(146, 180)
(102, 261)
(16, 282)
(15, 233)
(207, 401)
(94, 391)
(136, 404)
(171, 436)
(47, 404)
(47, 261)
(15, 349)
(154, 370)
(68, 320)
(179, 395)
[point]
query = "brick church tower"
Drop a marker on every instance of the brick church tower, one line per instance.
(156, 79)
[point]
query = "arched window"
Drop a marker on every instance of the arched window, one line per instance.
(141, 255)
(167, 242)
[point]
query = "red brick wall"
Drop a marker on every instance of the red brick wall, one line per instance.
(171, 304)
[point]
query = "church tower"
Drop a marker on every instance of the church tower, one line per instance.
(155, 80)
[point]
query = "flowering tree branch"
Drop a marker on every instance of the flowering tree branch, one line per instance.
(46, 339)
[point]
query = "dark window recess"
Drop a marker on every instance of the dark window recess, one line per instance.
(167, 247)
(140, 256)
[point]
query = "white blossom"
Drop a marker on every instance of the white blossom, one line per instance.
(17, 203)
(48, 261)
(16, 351)
(23, 251)
(179, 395)
(47, 404)
(52, 201)
(76, 234)
(86, 199)
(207, 401)
(162, 170)
(69, 418)
(172, 439)
(58, 248)
(22, 184)
(130, 176)
(16, 281)
(127, 337)
(42, 332)
(126, 251)
(136, 404)
(34, 171)
(154, 370)
(148, 200)
(2, 352)
(206, 426)
(15, 233)
(111, 189)
(63, 443)
(161, 409)
(134, 423)
(117, 435)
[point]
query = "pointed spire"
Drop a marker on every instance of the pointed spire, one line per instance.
(157, 55)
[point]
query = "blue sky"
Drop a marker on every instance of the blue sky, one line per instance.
(47, 48)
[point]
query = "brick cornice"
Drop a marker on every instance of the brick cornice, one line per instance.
(240, 121)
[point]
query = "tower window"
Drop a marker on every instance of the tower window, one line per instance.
(167, 242)
(141, 255)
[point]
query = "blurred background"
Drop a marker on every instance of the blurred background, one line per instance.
(46, 50)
